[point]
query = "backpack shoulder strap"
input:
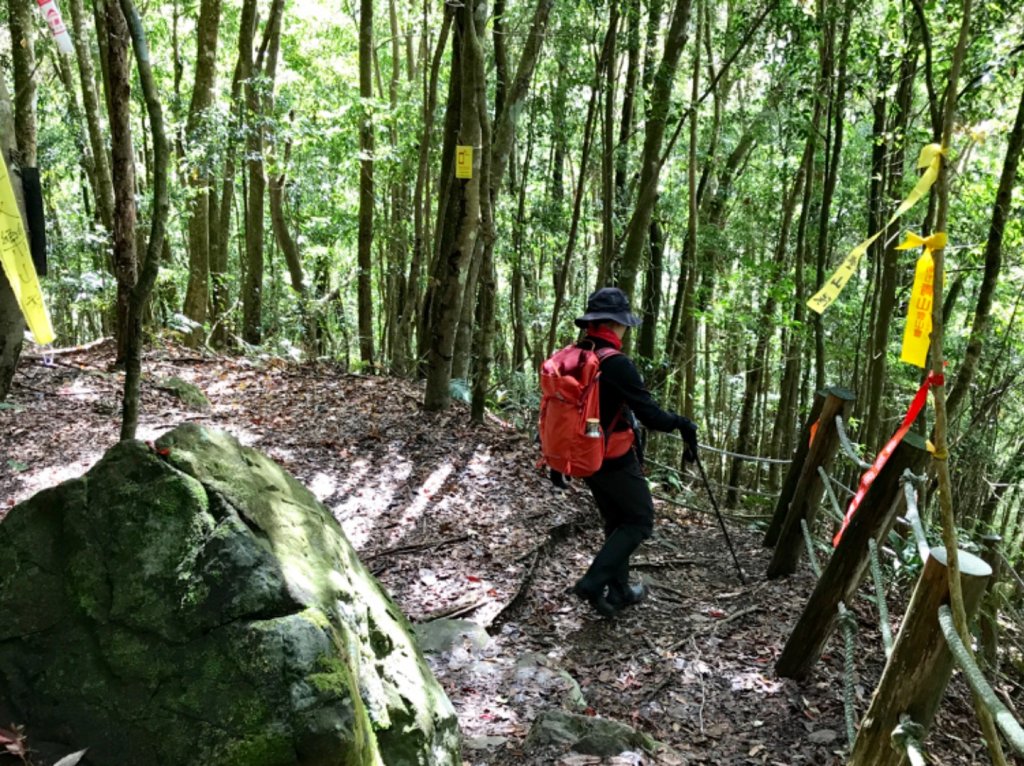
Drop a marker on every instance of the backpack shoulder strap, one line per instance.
(606, 353)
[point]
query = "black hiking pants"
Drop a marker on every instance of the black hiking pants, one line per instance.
(627, 510)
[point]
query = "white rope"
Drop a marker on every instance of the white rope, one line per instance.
(844, 442)
(1009, 725)
(754, 458)
(836, 510)
(914, 518)
(712, 481)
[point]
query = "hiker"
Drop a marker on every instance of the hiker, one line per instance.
(619, 487)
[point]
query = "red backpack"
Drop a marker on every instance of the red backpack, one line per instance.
(569, 381)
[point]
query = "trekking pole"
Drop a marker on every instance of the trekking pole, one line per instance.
(718, 513)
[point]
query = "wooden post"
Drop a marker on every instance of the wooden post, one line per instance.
(987, 622)
(849, 562)
(919, 668)
(809, 488)
(793, 476)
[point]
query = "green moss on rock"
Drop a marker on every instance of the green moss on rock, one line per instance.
(202, 607)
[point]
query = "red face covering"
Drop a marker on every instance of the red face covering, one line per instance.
(604, 332)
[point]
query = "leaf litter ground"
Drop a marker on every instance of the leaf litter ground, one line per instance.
(456, 522)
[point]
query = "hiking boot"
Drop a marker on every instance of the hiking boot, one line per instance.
(621, 596)
(597, 600)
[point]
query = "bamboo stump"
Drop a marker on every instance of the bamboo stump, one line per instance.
(849, 563)
(796, 463)
(809, 487)
(919, 668)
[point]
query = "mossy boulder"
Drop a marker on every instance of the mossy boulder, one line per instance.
(196, 604)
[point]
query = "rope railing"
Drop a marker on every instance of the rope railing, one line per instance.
(717, 451)
(837, 511)
(720, 485)
(907, 736)
(847, 445)
(883, 607)
(913, 516)
(848, 623)
(1004, 719)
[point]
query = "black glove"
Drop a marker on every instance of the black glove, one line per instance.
(688, 430)
(559, 480)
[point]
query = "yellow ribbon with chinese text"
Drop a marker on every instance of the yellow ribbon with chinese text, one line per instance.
(918, 330)
(930, 159)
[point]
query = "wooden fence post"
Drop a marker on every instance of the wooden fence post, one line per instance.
(920, 665)
(849, 562)
(796, 464)
(809, 488)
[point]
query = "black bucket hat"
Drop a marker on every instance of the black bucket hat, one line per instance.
(608, 303)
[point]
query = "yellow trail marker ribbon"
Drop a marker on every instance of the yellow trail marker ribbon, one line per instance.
(930, 158)
(17, 262)
(918, 330)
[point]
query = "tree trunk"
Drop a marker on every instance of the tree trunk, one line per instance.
(496, 157)
(122, 167)
(366, 149)
(197, 294)
(252, 280)
(755, 372)
(561, 275)
(142, 289)
(104, 189)
(19, 13)
(833, 152)
(12, 324)
(993, 264)
(688, 360)
(606, 261)
(650, 168)
(873, 430)
(465, 205)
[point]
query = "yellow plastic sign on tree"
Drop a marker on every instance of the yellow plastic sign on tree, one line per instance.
(463, 161)
(918, 330)
(17, 262)
(930, 158)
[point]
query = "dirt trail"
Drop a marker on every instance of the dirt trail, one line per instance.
(455, 521)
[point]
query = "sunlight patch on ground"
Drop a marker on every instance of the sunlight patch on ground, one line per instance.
(364, 501)
(80, 389)
(32, 482)
(323, 485)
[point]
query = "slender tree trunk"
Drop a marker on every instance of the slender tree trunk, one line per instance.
(938, 358)
(12, 324)
(606, 261)
(786, 418)
(141, 291)
(766, 325)
(689, 345)
(252, 279)
(833, 153)
(122, 167)
(496, 160)
(366, 149)
(104, 191)
(886, 272)
(628, 104)
(19, 14)
(650, 168)
(197, 294)
(993, 265)
(561, 275)
(221, 207)
(421, 204)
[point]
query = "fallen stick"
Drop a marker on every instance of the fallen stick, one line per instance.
(418, 547)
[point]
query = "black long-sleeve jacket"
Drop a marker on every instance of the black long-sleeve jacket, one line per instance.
(621, 384)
